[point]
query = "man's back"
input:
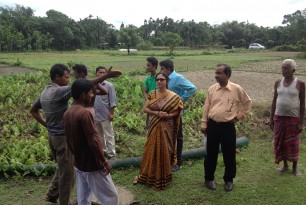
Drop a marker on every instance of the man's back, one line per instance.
(181, 86)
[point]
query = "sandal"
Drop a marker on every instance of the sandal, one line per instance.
(135, 181)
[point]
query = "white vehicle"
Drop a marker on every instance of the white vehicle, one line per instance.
(256, 46)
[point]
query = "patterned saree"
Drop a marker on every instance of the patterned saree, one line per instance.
(160, 148)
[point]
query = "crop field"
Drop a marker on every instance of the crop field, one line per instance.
(24, 142)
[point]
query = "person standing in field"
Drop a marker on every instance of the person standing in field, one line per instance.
(92, 168)
(163, 107)
(287, 116)
(185, 89)
(225, 104)
(105, 111)
(54, 102)
(150, 83)
(80, 71)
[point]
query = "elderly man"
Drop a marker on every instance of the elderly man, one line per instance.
(225, 104)
(287, 115)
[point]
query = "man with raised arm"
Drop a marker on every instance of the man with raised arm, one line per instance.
(53, 101)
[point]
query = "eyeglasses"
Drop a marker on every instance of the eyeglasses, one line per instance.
(160, 79)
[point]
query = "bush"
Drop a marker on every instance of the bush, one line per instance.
(146, 45)
(286, 48)
(17, 63)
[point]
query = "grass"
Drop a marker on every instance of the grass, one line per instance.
(184, 60)
(257, 182)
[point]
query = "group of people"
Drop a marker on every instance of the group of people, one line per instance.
(75, 132)
(74, 140)
(165, 93)
(225, 104)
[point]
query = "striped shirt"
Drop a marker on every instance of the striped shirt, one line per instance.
(54, 102)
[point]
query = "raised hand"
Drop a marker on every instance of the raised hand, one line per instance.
(113, 74)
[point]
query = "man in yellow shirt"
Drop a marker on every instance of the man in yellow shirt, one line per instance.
(225, 104)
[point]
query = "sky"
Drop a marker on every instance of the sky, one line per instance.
(267, 13)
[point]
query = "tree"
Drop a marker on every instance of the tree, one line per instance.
(296, 25)
(172, 40)
(129, 36)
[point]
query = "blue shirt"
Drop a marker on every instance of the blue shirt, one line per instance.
(181, 86)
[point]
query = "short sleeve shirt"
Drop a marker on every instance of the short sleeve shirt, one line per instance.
(54, 102)
(150, 83)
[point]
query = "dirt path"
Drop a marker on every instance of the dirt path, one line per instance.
(259, 86)
(8, 70)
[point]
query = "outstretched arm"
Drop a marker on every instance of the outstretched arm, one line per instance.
(110, 74)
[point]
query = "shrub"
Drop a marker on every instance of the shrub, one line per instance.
(286, 48)
(146, 45)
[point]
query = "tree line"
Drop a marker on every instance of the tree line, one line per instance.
(20, 30)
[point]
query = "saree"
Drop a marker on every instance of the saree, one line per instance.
(286, 139)
(160, 148)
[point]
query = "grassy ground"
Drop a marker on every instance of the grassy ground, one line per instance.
(184, 60)
(257, 183)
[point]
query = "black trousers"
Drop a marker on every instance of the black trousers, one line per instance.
(179, 145)
(223, 133)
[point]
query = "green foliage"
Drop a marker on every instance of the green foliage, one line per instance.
(20, 30)
(128, 37)
(172, 40)
(286, 48)
(17, 63)
(145, 45)
(302, 55)
(207, 53)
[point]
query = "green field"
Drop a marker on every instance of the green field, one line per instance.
(24, 141)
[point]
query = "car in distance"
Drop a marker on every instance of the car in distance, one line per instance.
(256, 46)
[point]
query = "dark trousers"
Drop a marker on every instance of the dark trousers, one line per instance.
(179, 148)
(224, 134)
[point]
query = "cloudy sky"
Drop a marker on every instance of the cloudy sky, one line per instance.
(261, 12)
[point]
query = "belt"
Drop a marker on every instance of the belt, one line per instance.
(220, 123)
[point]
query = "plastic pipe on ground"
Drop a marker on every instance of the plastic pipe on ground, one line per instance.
(197, 153)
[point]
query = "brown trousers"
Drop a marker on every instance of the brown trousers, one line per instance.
(63, 180)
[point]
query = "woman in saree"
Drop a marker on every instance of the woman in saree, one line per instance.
(164, 108)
